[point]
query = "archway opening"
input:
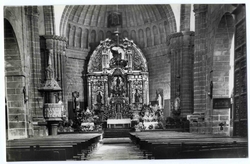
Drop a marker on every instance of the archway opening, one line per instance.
(14, 84)
(223, 73)
(223, 57)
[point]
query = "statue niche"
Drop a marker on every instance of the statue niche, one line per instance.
(137, 96)
(118, 58)
(99, 98)
(117, 86)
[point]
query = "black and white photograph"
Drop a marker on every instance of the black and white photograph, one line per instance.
(117, 81)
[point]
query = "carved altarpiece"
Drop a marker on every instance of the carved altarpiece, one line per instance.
(117, 79)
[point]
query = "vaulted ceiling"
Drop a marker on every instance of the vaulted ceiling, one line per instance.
(139, 22)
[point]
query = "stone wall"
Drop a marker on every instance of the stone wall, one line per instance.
(15, 77)
(74, 76)
(23, 69)
(214, 26)
(158, 61)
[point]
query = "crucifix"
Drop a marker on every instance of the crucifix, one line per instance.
(117, 36)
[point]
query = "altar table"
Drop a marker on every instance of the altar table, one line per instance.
(119, 123)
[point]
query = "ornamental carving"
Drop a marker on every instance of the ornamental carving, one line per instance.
(138, 62)
(121, 80)
(52, 110)
(96, 63)
(110, 55)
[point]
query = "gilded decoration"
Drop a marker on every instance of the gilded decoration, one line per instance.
(117, 79)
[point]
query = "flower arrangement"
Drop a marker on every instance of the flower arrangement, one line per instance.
(150, 127)
(140, 127)
(84, 121)
(65, 125)
(149, 118)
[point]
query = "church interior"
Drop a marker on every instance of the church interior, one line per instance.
(146, 81)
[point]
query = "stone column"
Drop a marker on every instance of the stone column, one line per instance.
(89, 93)
(49, 20)
(199, 58)
(130, 90)
(144, 90)
(186, 79)
(129, 60)
(185, 17)
(104, 60)
(105, 90)
(55, 46)
(32, 16)
(63, 74)
(181, 48)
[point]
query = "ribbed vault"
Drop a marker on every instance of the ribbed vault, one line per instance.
(147, 25)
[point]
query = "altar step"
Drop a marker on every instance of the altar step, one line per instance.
(116, 133)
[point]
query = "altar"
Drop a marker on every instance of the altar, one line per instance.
(118, 123)
(117, 81)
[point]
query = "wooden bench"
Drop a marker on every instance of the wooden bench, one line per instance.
(51, 148)
(171, 145)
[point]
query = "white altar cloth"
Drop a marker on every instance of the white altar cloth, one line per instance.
(118, 122)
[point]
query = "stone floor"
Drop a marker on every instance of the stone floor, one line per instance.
(115, 149)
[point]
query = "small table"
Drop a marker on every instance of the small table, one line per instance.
(118, 123)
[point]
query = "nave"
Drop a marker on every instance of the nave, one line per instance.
(139, 146)
(116, 149)
(150, 81)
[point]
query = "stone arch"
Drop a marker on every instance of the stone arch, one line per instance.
(222, 55)
(149, 37)
(156, 36)
(125, 34)
(72, 36)
(85, 38)
(141, 38)
(162, 34)
(92, 39)
(78, 37)
(100, 35)
(108, 34)
(16, 24)
(14, 84)
(68, 34)
(93, 36)
(166, 27)
(133, 35)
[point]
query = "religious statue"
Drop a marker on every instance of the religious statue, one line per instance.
(99, 98)
(137, 96)
(159, 100)
(118, 111)
(177, 102)
(118, 81)
(117, 60)
(117, 86)
(76, 103)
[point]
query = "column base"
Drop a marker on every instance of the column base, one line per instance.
(53, 127)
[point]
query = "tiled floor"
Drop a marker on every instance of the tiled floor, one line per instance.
(115, 149)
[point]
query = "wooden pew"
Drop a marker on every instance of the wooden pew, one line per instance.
(186, 145)
(61, 147)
